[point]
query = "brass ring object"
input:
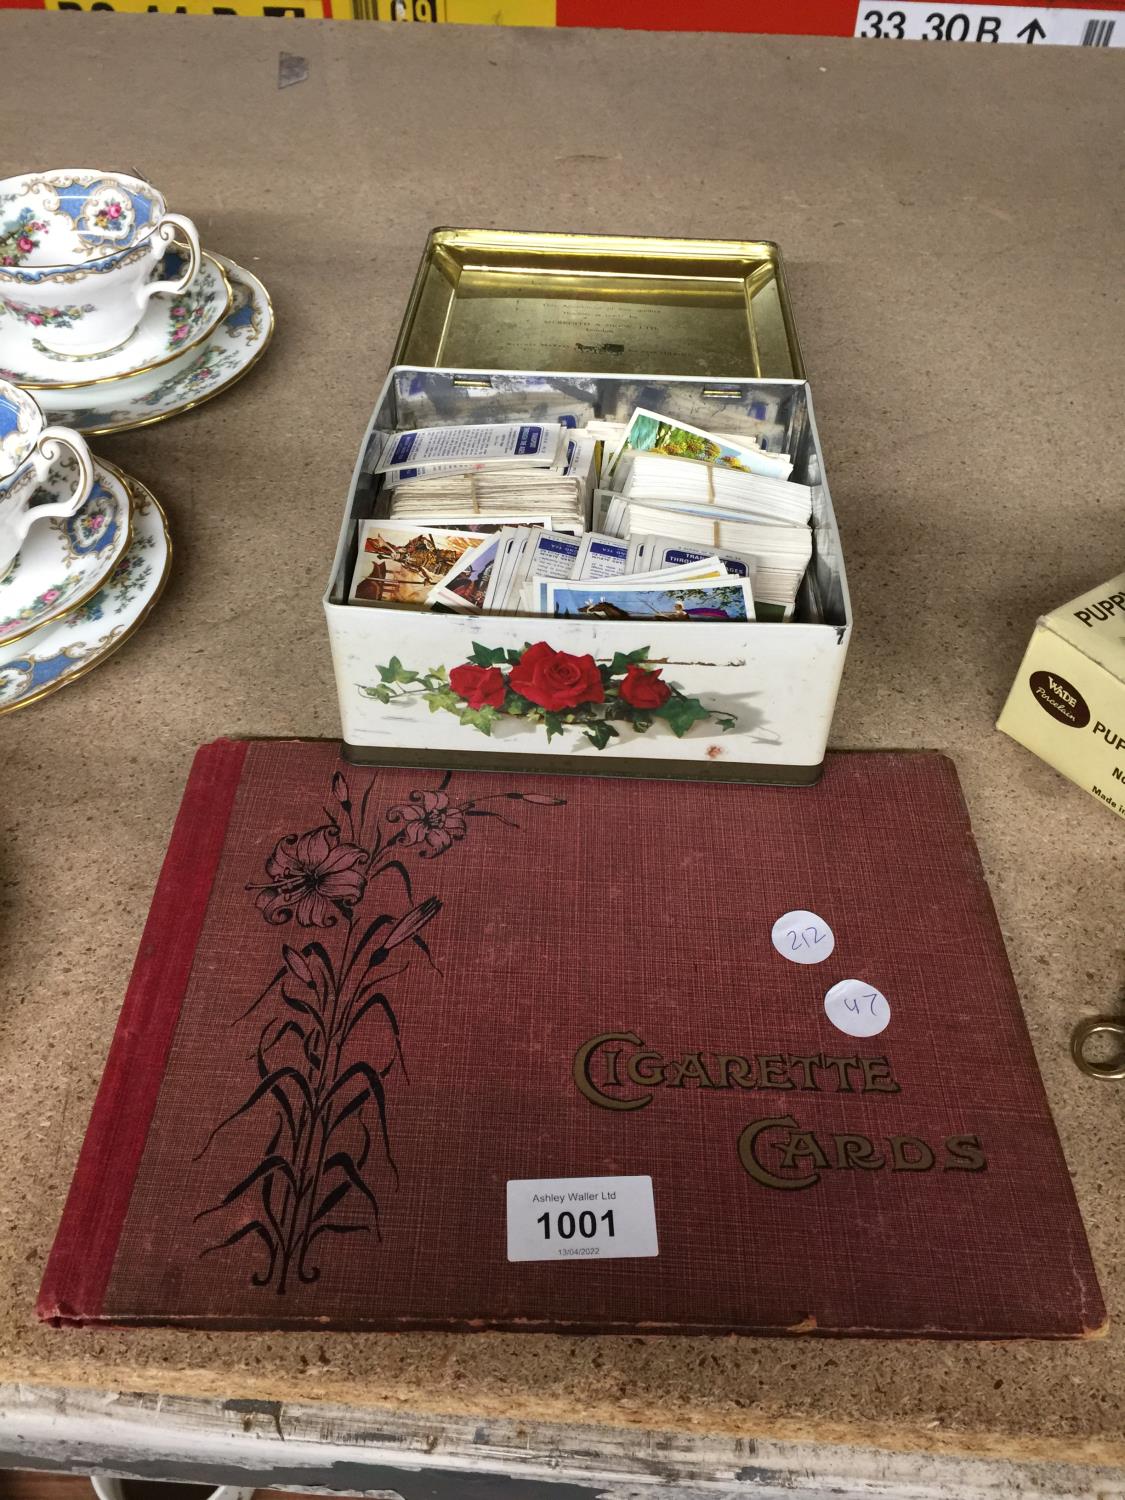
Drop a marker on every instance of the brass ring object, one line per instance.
(1097, 1026)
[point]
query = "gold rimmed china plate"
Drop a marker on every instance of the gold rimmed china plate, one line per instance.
(231, 352)
(170, 328)
(67, 649)
(63, 562)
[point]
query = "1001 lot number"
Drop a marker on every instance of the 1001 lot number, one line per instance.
(940, 27)
(567, 1225)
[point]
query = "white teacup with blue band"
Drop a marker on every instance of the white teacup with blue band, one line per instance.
(77, 249)
(28, 448)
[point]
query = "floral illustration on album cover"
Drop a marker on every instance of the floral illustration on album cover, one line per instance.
(329, 1057)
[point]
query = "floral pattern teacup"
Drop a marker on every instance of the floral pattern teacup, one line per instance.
(77, 249)
(28, 448)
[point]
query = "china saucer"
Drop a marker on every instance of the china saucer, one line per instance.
(66, 650)
(63, 562)
(170, 327)
(136, 401)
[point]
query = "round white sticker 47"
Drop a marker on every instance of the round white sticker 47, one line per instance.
(856, 1008)
(803, 937)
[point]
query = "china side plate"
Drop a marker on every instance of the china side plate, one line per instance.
(234, 348)
(64, 561)
(67, 649)
(170, 327)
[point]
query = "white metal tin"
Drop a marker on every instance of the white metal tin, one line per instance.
(778, 681)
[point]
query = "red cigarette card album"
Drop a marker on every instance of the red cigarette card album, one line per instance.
(405, 1049)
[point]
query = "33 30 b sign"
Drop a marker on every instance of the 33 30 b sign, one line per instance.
(1062, 26)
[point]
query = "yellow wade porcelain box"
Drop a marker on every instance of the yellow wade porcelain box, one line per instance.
(505, 327)
(1068, 700)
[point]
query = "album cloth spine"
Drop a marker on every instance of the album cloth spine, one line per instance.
(81, 1260)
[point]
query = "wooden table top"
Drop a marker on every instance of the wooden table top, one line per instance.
(952, 223)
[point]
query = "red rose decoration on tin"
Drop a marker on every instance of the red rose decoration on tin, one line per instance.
(555, 680)
(643, 688)
(481, 687)
(540, 688)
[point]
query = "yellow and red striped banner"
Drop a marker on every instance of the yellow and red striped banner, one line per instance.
(1061, 22)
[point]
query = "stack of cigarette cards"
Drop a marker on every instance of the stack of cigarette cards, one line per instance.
(673, 523)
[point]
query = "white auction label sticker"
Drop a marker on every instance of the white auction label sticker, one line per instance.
(1026, 25)
(857, 1008)
(581, 1218)
(803, 937)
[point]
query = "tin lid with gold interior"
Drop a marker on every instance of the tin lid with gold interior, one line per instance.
(496, 299)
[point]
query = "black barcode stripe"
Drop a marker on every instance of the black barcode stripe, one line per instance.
(1098, 33)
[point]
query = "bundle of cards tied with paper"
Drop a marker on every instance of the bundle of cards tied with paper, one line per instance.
(649, 519)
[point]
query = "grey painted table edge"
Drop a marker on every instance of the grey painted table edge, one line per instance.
(399, 1453)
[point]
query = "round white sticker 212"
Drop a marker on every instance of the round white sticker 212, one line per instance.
(803, 937)
(856, 1008)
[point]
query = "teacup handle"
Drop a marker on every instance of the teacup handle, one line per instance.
(50, 444)
(171, 227)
